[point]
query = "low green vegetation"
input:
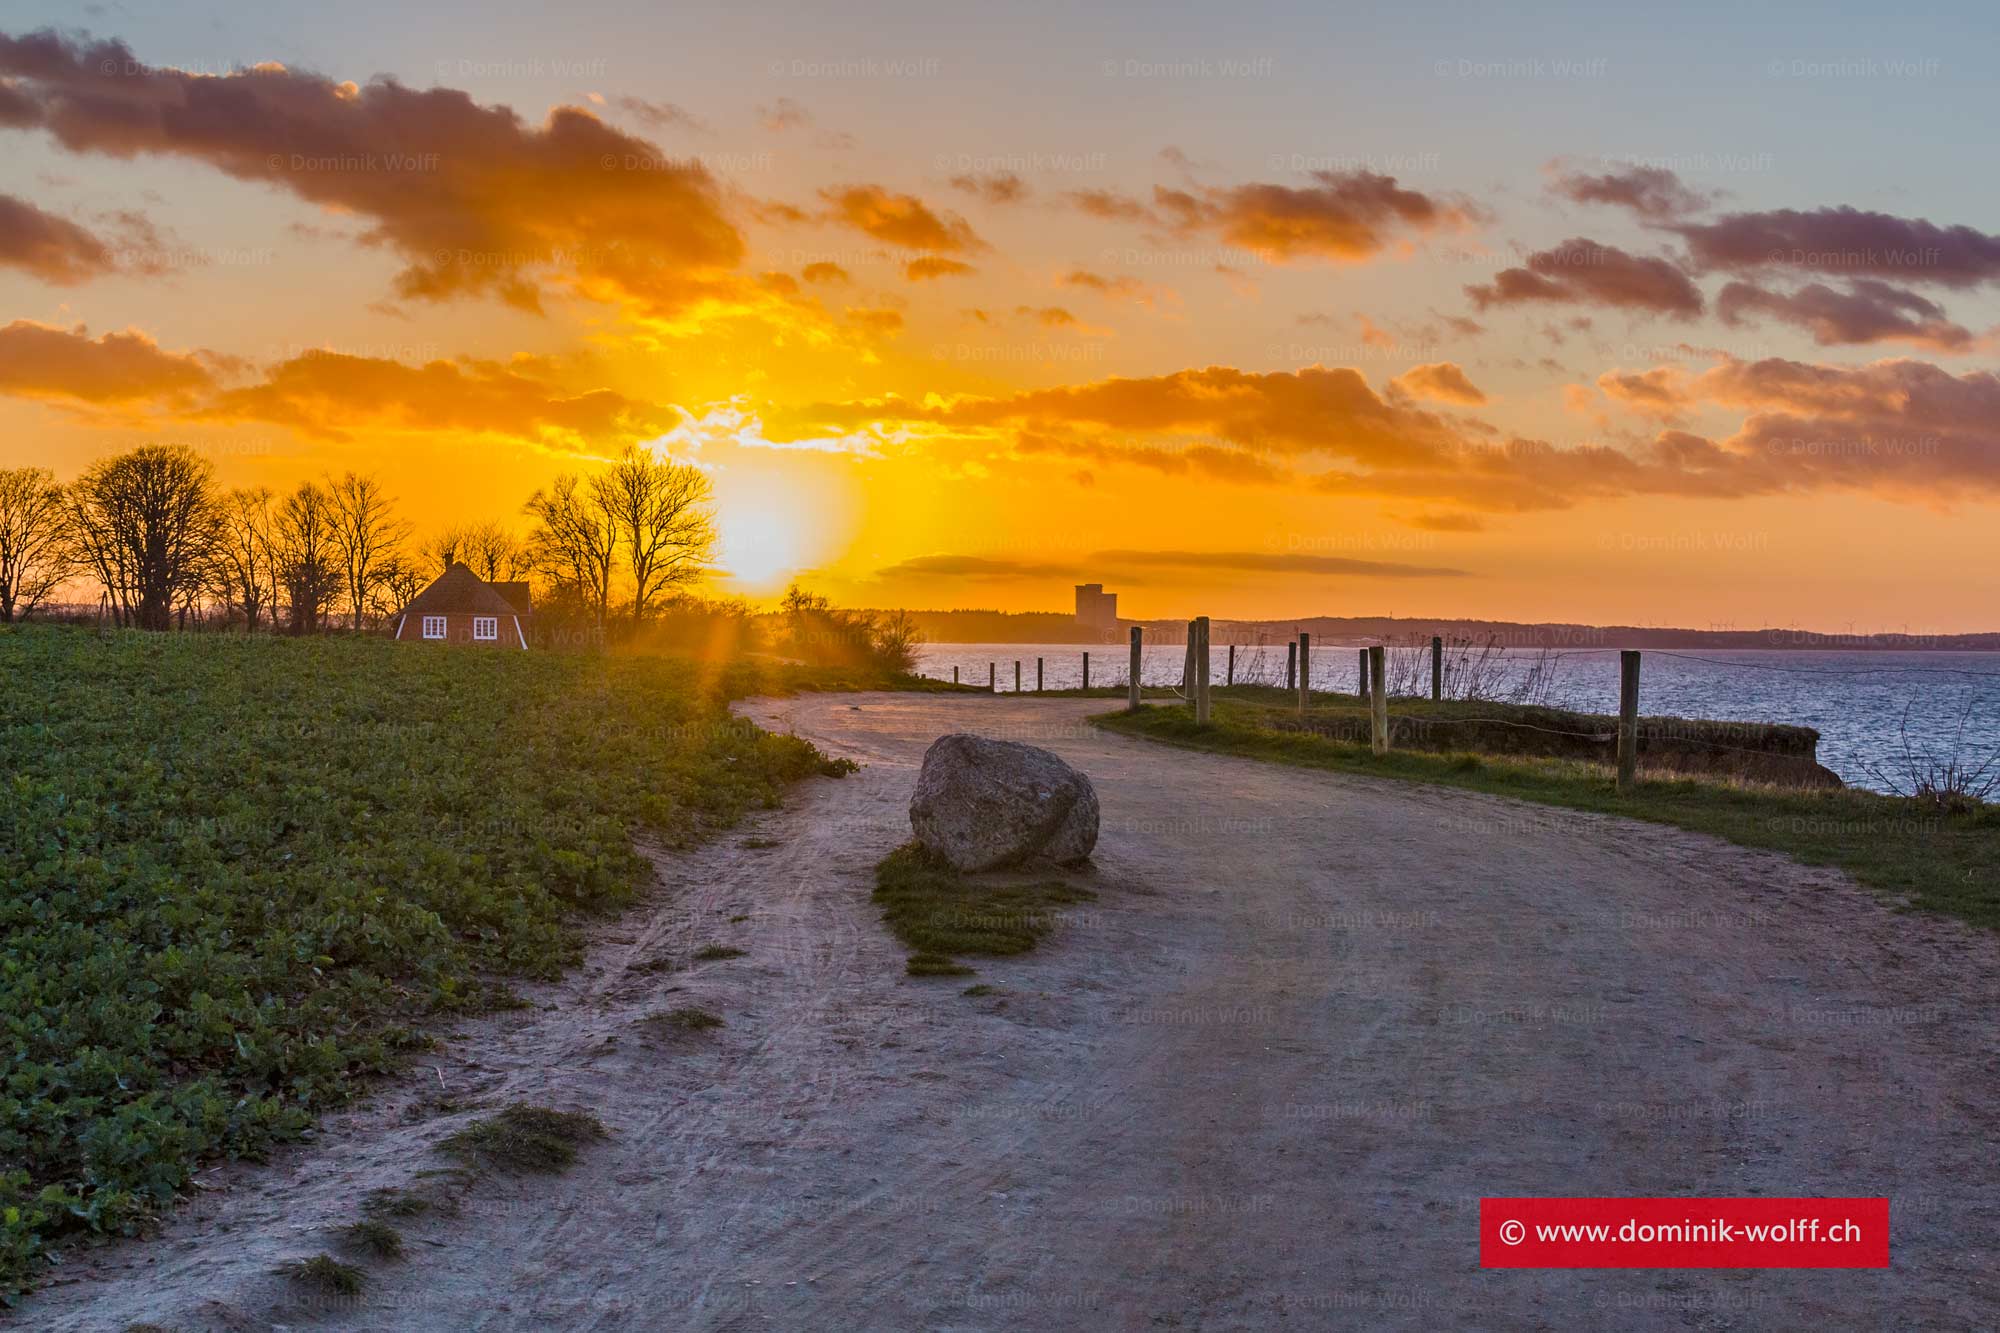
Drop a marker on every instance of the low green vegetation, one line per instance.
(716, 953)
(1945, 857)
(238, 874)
(687, 1018)
(940, 913)
(327, 1274)
(524, 1138)
(374, 1237)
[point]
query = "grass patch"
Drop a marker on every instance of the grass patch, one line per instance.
(524, 1138)
(936, 965)
(373, 1236)
(397, 1203)
(687, 1018)
(940, 913)
(716, 953)
(325, 1273)
(240, 873)
(981, 989)
(1946, 862)
(760, 844)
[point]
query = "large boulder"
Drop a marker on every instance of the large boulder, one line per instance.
(981, 804)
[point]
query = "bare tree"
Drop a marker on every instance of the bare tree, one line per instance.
(36, 551)
(575, 542)
(246, 564)
(659, 511)
(487, 548)
(147, 523)
(308, 556)
(366, 535)
(398, 586)
(444, 549)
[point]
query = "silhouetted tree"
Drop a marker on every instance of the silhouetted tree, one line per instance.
(366, 535)
(36, 548)
(147, 523)
(574, 544)
(308, 556)
(245, 564)
(659, 512)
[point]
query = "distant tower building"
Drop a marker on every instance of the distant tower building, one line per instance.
(1096, 608)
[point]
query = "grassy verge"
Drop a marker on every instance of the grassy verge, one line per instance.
(1944, 862)
(940, 913)
(235, 874)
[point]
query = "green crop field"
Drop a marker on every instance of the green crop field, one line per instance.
(238, 873)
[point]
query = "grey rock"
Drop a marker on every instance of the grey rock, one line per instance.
(982, 804)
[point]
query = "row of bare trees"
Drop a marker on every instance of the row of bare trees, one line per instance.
(166, 544)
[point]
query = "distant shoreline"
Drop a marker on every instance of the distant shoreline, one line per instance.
(1060, 627)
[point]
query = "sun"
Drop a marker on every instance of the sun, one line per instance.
(766, 538)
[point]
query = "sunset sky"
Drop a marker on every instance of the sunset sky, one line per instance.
(1678, 316)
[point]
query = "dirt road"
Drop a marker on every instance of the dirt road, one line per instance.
(1260, 1082)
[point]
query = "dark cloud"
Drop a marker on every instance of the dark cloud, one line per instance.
(1345, 216)
(658, 116)
(1867, 312)
(1846, 242)
(1272, 562)
(1582, 272)
(1001, 187)
(1653, 193)
(53, 249)
(475, 200)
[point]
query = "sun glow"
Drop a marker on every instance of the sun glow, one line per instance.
(767, 537)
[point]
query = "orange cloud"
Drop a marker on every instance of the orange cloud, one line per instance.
(42, 361)
(332, 395)
(900, 219)
(475, 201)
(935, 266)
(1442, 381)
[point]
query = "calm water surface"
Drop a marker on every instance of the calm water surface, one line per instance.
(1863, 704)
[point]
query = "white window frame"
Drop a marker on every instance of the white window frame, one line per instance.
(486, 629)
(434, 627)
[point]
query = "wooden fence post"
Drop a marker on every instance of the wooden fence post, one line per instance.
(1132, 686)
(1628, 719)
(1437, 668)
(1361, 678)
(1378, 701)
(1017, 675)
(1291, 666)
(1230, 678)
(1086, 671)
(954, 675)
(1305, 670)
(1038, 675)
(992, 680)
(1201, 671)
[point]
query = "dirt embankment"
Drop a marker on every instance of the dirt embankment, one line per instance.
(1260, 1081)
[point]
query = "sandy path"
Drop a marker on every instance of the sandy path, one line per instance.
(1261, 1081)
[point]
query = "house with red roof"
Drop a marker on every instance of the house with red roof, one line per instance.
(461, 607)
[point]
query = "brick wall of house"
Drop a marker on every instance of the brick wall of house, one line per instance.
(458, 630)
